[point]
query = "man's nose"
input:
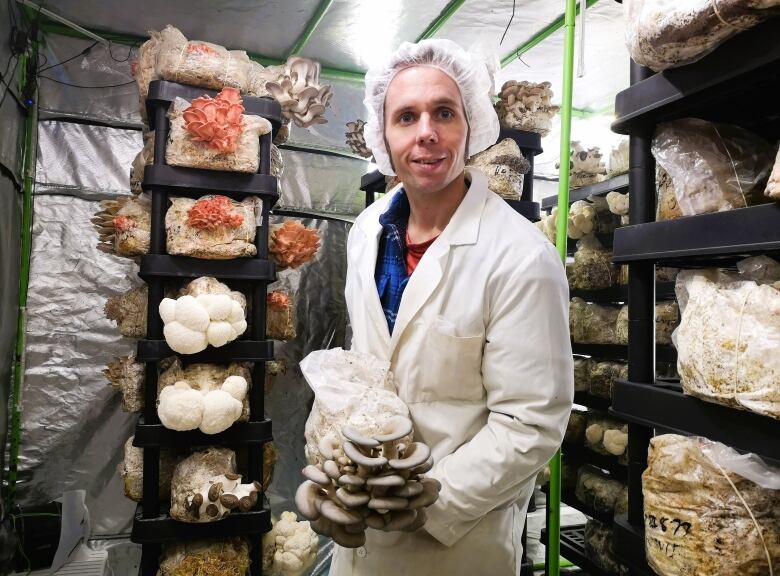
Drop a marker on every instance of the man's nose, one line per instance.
(426, 131)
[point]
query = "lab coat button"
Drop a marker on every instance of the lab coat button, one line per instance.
(362, 552)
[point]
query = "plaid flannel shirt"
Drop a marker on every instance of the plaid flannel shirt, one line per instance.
(390, 272)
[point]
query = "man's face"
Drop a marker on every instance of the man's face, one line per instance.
(425, 128)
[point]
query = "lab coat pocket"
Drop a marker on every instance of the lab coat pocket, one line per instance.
(451, 367)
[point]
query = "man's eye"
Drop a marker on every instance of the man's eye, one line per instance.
(405, 118)
(446, 114)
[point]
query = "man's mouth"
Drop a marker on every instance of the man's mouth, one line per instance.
(428, 161)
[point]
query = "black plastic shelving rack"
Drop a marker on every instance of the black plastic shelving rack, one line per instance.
(152, 524)
(530, 144)
(745, 68)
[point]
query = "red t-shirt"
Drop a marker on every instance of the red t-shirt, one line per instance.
(414, 252)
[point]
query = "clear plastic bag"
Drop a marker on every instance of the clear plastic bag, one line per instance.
(603, 375)
(667, 318)
(504, 165)
(592, 268)
(350, 389)
(212, 227)
(598, 547)
(258, 76)
(582, 374)
(709, 510)
(200, 63)
(280, 317)
(182, 150)
(712, 167)
(729, 335)
(143, 159)
(144, 68)
(592, 323)
(773, 186)
(600, 492)
(662, 34)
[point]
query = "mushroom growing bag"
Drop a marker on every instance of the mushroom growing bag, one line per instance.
(186, 148)
(661, 34)
(350, 389)
(712, 167)
(709, 510)
(729, 335)
(198, 63)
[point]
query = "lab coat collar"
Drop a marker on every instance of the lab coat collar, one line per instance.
(462, 229)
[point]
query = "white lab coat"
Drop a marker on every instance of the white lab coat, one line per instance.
(481, 355)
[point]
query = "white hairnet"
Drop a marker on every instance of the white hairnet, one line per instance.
(469, 71)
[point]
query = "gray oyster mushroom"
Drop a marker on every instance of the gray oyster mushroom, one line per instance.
(526, 106)
(371, 480)
(356, 140)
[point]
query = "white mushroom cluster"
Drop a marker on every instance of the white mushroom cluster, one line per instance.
(504, 165)
(192, 323)
(526, 106)
(618, 159)
(606, 435)
(182, 407)
(221, 495)
(356, 140)
(205, 487)
(585, 166)
(299, 92)
(773, 186)
(368, 482)
(581, 221)
(618, 204)
(290, 547)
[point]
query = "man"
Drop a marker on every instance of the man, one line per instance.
(469, 303)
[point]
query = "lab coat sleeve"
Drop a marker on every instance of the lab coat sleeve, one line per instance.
(527, 373)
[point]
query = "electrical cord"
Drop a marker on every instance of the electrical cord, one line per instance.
(82, 53)
(86, 87)
(509, 24)
(129, 52)
(8, 85)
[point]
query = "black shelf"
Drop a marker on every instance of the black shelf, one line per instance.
(663, 291)
(663, 353)
(526, 208)
(194, 183)
(663, 405)
(236, 351)
(605, 240)
(164, 266)
(569, 497)
(583, 455)
(573, 549)
(238, 434)
(374, 181)
(616, 184)
(590, 401)
(742, 69)
(752, 230)
(163, 92)
(628, 542)
(530, 143)
(163, 528)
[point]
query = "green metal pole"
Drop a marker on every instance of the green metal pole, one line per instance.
(441, 19)
(315, 20)
(28, 173)
(539, 37)
(554, 529)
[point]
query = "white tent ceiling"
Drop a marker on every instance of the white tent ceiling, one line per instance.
(354, 33)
